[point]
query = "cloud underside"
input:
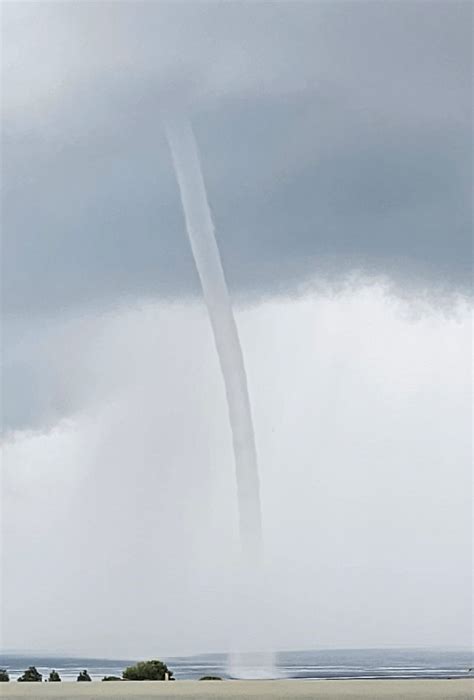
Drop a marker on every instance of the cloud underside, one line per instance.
(335, 141)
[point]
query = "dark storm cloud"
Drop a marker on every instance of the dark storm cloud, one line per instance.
(333, 138)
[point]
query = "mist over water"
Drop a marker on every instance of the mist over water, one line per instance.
(200, 228)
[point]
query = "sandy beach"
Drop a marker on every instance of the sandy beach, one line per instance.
(459, 689)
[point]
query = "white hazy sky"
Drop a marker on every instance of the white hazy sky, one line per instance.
(120, 522)
(336, 141)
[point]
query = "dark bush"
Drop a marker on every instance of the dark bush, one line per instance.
(54, 677)
(111, 678)
(84, 676)
(148, 671)
(210, 678)
(31, 675)
(4, 677)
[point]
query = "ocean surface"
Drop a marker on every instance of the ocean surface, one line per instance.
(328, 664)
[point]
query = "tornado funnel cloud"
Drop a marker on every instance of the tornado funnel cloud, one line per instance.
(201, 234)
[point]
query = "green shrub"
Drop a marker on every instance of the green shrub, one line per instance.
(54, 677)
(210, 678)
(31, 675)
(147, 671)
(111, 678)
(4, 677)
(84, 676)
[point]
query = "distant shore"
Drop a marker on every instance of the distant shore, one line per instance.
(442, 689)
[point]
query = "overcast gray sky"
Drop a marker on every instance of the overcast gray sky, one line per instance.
(336, 146)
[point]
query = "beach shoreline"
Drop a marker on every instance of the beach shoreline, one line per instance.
(387, 689)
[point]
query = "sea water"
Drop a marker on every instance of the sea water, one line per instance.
(334, 664)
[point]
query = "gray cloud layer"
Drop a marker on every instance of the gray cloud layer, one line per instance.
(335, 137)
(335, 140)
